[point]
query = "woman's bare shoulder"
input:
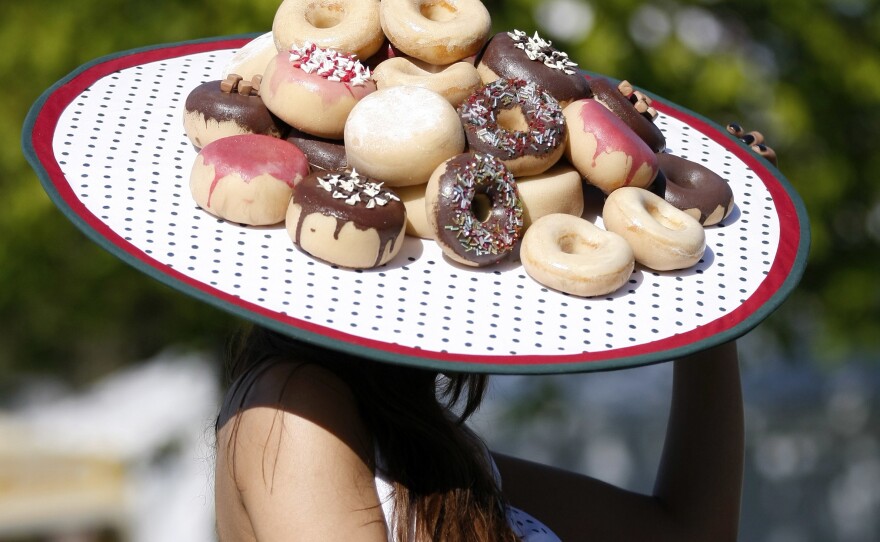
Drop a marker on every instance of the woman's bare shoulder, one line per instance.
(297, 457)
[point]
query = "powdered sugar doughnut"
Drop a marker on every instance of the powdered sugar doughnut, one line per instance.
(436, 32)
(346, 219)
(606, 152)
(314, 89)
(247, 178)
(517, 121)
(454, 82)
(348, 26)
(474, 208)
(662, 237)
(399, 135)
(251, 60)
(574, 256)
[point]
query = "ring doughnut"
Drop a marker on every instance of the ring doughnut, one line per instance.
(454, 82)
(662, 237)
(474, 209)
(247, 178)
(314, 89)
(348, 26)
(632, 107)
(695, 189)
(517, 121)
(346, 219)
(515, 55)
(438, 32)
(572, 255)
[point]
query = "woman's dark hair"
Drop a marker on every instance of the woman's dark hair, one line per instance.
(441, 472)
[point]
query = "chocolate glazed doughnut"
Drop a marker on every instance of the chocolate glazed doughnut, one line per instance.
(515, 55)
(346, 219)
(322, 153)
(229, 107)
(452, 199)
(694, 189)
(627, 106)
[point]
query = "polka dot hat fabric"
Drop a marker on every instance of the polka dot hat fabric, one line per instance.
(118, 163)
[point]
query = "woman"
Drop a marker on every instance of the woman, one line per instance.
(316, 445)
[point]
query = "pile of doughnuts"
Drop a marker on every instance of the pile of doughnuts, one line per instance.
(379, 119)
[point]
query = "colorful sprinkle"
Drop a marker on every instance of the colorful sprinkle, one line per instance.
(329, 64)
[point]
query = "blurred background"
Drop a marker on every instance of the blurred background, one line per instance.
(109, 381)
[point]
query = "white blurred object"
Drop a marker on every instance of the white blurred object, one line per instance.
(569, 20)
(133, 454)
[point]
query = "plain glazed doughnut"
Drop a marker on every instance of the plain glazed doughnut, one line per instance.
(557, 190)
(247, 178)
(515, 55)
(574, 256)
(413, 198)
(315, 89)
(346, 219)
(695, 189)
(517, 121)
(604, 150)
(662, 237)
(474, 209)
(454, 82)
(251, 60)
(438, 32)
(218, 109)
(347, 26)
(632, 107)
(399, 135)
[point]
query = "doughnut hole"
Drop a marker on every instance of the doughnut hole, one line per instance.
(438, 11)
(325, 15)
(572, 243)
(663, 219)
(512, 120)
(481, 207)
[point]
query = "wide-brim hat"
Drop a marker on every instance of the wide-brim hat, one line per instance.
(109, 146)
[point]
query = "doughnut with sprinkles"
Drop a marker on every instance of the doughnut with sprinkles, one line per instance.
(346, 219)
(474, 208)
(517, 121)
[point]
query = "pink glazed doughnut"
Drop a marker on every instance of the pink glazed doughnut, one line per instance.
(606, 152)
(314, 89)
(247, 178)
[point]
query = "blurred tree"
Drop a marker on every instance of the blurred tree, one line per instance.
(807, 73)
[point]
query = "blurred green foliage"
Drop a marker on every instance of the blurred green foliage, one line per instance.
(805, 72)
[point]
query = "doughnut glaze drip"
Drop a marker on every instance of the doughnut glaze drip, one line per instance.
(479, 114)
(350, 198)
(606, 128)
(250, 156)
(246, 110)
(480, 241)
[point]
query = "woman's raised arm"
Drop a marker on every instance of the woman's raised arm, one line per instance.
(699, 480)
